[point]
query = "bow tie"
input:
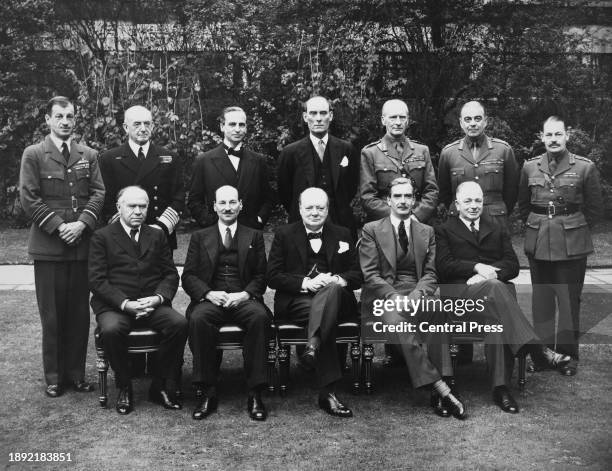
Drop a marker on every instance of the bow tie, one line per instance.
(313, 235)
(232, 151)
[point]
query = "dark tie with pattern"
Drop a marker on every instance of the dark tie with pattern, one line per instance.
(227, 240)
(403, 237)
(321, 149)
(473, 229)
(65, 152)
(141, 155)
(552, 165)
(133, 234)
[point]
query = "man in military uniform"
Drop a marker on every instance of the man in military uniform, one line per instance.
(559, 197)
(396, 156)
(477, 157)
(61, 189)
(155, 169)
(385, 160)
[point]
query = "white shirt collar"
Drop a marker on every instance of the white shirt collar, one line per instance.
(468, 223)
(127, 229)
(135, 147)
(226, 142)
(395, 221)
(58, 142)
(223, 228)
(315, 140)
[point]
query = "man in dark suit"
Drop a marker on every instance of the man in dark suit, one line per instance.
(224, 275)
(61, 190)
(313, 268)
(230, 163)
(133, 279)
(323, 161)
(397, 256)
(475, 260)
(140, 162)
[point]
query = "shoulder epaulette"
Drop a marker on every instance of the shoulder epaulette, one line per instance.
(500, 141)
(579, 157)
(372, 144)
(537, 157)
(452, 144)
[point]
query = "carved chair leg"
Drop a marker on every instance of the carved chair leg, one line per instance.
(355, 355)
(271, 361)
(284, 352)
(367, 356)
(102, 366)
(521, 372)
(454, 351)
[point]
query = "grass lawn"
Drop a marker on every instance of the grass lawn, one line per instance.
(14, 243)
(564, 422)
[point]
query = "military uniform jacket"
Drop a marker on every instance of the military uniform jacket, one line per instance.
(380, 165)
(53, 192)
(160, 175)
(575, 183)
(495, 169)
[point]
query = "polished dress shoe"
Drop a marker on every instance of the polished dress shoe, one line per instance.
(544, 358)
(504, 400)
(308, 359)
(54, 390)
(124, 401)
(256, 408)
(205, 406)
(569, 369)
(161, 396)
(439, 405)
(332, 405)
(456, 408)
(82, 386)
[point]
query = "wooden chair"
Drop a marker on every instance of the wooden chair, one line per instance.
(288, 333)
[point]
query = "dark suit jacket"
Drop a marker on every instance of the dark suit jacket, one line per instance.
(458, 251)
(161, 176)
(214, 169)
(203, 256)
(296, 173)
(117, 272)
(287, 263)
(377, 255)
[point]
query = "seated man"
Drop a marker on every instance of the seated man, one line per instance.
(313, 267)
(475, 258)
(397, 256)
(224, 275)
(133, 279)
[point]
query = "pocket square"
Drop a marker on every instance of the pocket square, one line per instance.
(344, 162)
(165, 159)
(343, 247)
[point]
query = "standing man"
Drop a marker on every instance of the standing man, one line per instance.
(225, 277)
(476, 261)
(140, 162)
(559, 198)
(323, 161)
(396, 156)
(397, 256)
(61, 189)
(477, 157)
(314, 269)
(133, 279)
(230, 163)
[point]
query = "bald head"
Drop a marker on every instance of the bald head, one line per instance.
(395, 118)
(138, 124)
(469, 200)
(227, 205)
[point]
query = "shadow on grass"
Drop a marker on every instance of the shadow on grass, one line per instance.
(564, 422)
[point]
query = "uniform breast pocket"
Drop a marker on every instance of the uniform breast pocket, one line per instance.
(52, 183)
(457, 176)
(493, 178)
(568, 189)
(537, 187)
(384, 176)
(416, 168)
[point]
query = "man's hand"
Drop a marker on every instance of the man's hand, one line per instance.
(138, 309)
(476, 279)
(218, 298)
(235, 299)
(149, 302)
(70, 232)
(318, 282)
(488, 272)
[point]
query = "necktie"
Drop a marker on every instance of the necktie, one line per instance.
(313, 235)
(552, 165)
(133, 234)
(475, 150)
(321, 149)
(403, 237)
(141, 155)
(227, 240)
(399, 149)
(473, 229)
(65, 152)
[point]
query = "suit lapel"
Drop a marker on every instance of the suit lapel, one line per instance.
(334, 155)
(128, 159)
(418, 238)
(308, 153)
(122, 239)
(563, 165)
(465, 151)
(76, 153)
(223, 164)
(150, 162)
(487, 151)
(145, 239)
(300, 240)
(484, 229)
(330, 243)
(54, 152)
(386, 237)
(212, 244)
(460, 229)
(244, 241)
(245, 173)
